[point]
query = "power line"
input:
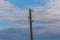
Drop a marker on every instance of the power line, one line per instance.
(17, 10)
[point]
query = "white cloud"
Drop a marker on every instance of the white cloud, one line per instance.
(51, 18)
(9, 12)
(49, 15)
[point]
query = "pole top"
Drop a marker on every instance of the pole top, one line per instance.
(30, 10)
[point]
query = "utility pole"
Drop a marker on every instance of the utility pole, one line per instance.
(30, 17)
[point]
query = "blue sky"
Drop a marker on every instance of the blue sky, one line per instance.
(27, 3)
(46, 14)
(7, 23)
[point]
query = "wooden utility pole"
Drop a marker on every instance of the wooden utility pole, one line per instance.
(30, 17)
